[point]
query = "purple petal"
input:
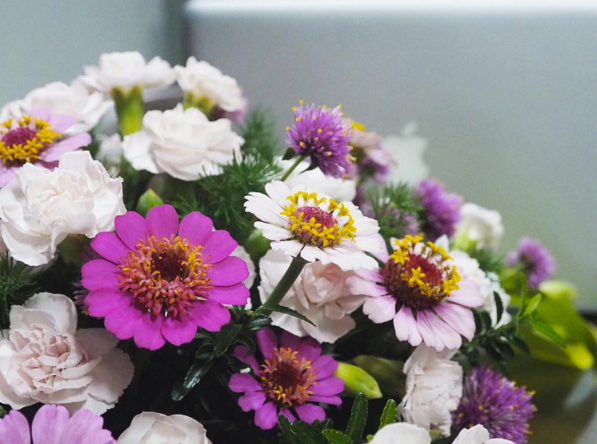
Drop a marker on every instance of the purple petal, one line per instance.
(244, 382)
(104, 301)
(210, 315)
(99, 273)
(86, 427)
(242, 353)
(50, 424)
(266, 416)
(196, 228)
(332, 400)
(310, 412)
(234, 295)
(267, 341)
(230, 271)
(162, 221)
(14, 429)
(328, 387)
(110, 246)
(130, 227)
(325, 366)
(122, 322)
(148, 332)
(55, 151)
(310, 349)
(180, 330)
(218, 246)
(252, 401)
(288, 414)
(290, 341)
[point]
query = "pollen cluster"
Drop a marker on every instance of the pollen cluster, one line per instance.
(22, 140)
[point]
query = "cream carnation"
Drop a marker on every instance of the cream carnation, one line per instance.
(182, 143)
(41, 208)
(478, 435)
(433, 389)
(480, 225)
(325, 294)
(401, 433)
(155, 428)
(45, 359)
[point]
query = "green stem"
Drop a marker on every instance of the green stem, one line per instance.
(278, 293)
(130, 109)
(296, 163)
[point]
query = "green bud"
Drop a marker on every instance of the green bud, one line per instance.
(72, 249)
(147, 201)
(561, 290)
(356, 380)
(257, 245)
(387, 372)
(130, 109)
(203, 104)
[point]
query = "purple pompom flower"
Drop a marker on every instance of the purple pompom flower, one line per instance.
(292, 378)
(53, 424)
(441, 210)
(497, 404)
(158, 281)
(538, 264)
(321, 134)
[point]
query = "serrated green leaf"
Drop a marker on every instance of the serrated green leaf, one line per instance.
(358, 418)
(336, 437)
(286, 429)
(290, 312)
(258, 322)
(389, 414)
(194, 375)
(499, 306)
(225, 338)
(533, 305)
(305, 434)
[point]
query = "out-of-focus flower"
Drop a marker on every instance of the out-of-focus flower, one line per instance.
(182, 143)
(46, 359)
(36, 138)
(110, 151)
(325, 294)
(421, 290)
(491, 400)
(482, 226)
(158, 281)
(534, 259)
(320, 134)
(86, 108)
(155, 428)
(407, 150)
(303, 223)
(433, 389)
(478, 435)
(41, 208)
(291, 380)
(250, 280)
(441, 210)
(401, 433)
(53, 424)
(372, 159)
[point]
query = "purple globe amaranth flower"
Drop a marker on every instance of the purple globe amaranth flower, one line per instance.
(53, 424)
(441, 210)
(497, 404)
(292, 379)
(158, 281)
(321, 134)
(372, 159)
(536, 261)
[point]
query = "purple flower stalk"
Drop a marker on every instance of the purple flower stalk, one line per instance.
(292, 378)
(441, 210)
(538, 264)
(53, 424)
(497, 404)
(320, 133)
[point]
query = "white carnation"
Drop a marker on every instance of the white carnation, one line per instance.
(478, 435)
(480, 225)
(155, 428)
(182, 143)
(41, 208)
(401, 433)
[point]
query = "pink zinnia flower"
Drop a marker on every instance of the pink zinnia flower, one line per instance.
(36, 138)
(53, 424)
(159, 281)
(291, 379)
(421, 290)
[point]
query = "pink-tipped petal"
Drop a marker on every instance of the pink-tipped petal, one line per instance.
(210, 315)
(406, 328)
(179, 330)
(444, 334)
(55, 151)
(459, 318)
(148, 332)
(131, 227)
(266, 416)
(218, 247)
(310, 412)
(196, 228)
(244, 382)
(86, 427)
(380, 309)
(162, 221)
(109, 246)
(234, 295)
(267, 341)
(50, 424)
(468, 294)
(232, 270)
(328, 387)
(99, 273)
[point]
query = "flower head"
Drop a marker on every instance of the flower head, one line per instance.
(372, 159)
(182, 143)
(497, 404)
(52, 423)
(419, 287)
(478, 435)
(158, 281)
(292, 378)
(314, 226)
(480, 225)
(149, 428)
(535, 260)
(441, 210)
(320, 133)
(401, 432)
(38, 138)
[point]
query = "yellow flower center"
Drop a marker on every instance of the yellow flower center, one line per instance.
(22, 140)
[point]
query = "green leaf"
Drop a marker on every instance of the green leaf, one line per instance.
(290, 312)
(288, 154)
(358, 418)
(548, 331)
(499, 306)
(225, 338)
(389, 414)
(521, 345)
(257, 322)
(478, 321)
(194, 375)
(533, 305)
(336, 437)
(486, 319)
(305, 434)
(285, 426)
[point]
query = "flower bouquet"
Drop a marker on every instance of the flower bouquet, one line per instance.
(185, 280)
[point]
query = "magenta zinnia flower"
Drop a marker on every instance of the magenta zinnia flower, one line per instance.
(159, 281)
(36, 138)
(291, 379)
(321, 134)
(497, 404)
(534, 259)
(441, 210)
(52, 424)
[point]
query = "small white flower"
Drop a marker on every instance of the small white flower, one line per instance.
(433, 389)
(401, 433)
(480, 225)
(301, 222)
(478, 435)
(110, 151)
(182, 143)
(408, 150)
(155, 428)
(204, 81)
(41, 208)
(46, 359)
(325, 294)
(126, 70)
(250, 280)
(59, 98)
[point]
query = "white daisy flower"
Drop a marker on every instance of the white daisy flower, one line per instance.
(301, 222)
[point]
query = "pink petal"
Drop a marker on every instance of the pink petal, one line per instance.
(459, 318)
(100, 303)
(310, 349)
(131, 228)
(244, 382)
(196, 228)
(267, 341)
(178, 331)
(232, 270)
(6, 174)
(252, 401)
(332, 400)
(445, 336)
(266, 416)
(162, 221)
(148, 332)
(426, 331)
(406, 328)
(210, 315)
(122, 322)
(242, 353)
(468, 294)
(14, 429)
(310, 412)
(234, 295)
(288, 414)
(325, 366)
(110, 246)
(99, 273)
(85, 427)
(50, 424)
(218, 246)
(328, 387)
(55, 151)
(380, 309)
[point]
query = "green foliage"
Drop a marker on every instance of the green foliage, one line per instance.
(389, 414)
(259, 131)
(358, 419)
(489, 260)
(17, 284)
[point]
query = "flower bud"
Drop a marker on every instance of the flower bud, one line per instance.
(257, 245)
(147, 201)
(130, 109)
(561, 290)
(356, 380)
(387, 373)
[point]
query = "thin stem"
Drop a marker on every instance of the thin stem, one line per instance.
(278, 293)
(296, 163)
